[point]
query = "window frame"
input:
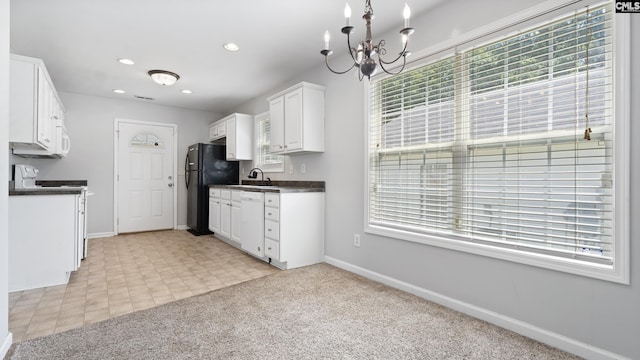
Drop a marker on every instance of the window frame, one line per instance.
(267, 168)
(549, 11)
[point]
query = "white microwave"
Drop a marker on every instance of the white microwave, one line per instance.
(63, 143)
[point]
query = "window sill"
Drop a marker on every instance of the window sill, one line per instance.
(576, 267)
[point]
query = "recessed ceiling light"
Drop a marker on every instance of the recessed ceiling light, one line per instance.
(118, 91)
(185, 91)
(231, 46)
(126, 61)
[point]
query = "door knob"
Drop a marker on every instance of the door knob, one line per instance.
(170, 184)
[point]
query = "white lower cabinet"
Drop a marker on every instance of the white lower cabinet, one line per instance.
(285, 228)
(214, 210)
(225, 213)
(46, 254)
(235, 215)
(294, 228)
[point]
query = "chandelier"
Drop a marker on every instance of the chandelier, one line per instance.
(366, 52)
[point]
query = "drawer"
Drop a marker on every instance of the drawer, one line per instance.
(272, 200)
(271, 213)
(214, 192)
(272, 249)
(236, 195)
(272, 230)
(225, 194)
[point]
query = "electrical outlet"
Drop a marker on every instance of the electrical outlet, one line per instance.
(303, 168)
(356, 240)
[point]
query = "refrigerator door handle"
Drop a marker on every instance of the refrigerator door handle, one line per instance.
(187, 175)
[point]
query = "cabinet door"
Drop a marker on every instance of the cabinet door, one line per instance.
(231, 139)
(293, 120)
(225, 218)
(213, 132)
(276, 111)
(214, 214)
(45, 105)
(236, 220)
(222, 129)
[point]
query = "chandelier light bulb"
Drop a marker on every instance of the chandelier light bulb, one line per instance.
(406, 14)
(347, 14)
(327, 37)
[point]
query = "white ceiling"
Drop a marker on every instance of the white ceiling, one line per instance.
(80, 41)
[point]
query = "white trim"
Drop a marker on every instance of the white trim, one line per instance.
(182, 227)
(548, 10)
(116, 123)
(622, 151)
(539, 334)
(6, 345)
(100, 235)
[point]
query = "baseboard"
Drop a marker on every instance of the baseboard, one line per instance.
(100, 235)
(6, 345)
(182, 227)
(548, 337)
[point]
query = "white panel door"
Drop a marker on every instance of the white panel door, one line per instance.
(145, 177)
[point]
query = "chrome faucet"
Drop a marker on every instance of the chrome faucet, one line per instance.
(253, 174)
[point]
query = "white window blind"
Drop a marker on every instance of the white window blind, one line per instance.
(264, 159)
(487, 146)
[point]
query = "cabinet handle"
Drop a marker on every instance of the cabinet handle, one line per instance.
(268, 248)
(268, 230)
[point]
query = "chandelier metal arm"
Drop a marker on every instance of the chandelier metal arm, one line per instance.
(352, 51)
(326, 54)
(404, 63)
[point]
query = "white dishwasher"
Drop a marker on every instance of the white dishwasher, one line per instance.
(252, 221)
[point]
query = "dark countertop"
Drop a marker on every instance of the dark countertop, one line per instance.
(58, 183)
(277, 186)
(47, 191)
(51, 187)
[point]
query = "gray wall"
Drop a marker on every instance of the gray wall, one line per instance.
(4, 170)
(594, 312)
(89, 121)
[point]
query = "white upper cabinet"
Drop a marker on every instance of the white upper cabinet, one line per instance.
(34, 108)
(297, 119)
(238, 130)
(217, 130)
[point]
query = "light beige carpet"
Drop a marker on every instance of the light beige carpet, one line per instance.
(317, 312)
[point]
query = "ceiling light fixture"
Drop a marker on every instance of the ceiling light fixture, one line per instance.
(185, 91)
(126, 61)
(163, 77)
(363, 54)
(118, 91)
(231, 46)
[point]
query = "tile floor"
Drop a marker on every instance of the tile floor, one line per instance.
(131, 272)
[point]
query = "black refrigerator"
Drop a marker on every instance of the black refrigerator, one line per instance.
(205, 165)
